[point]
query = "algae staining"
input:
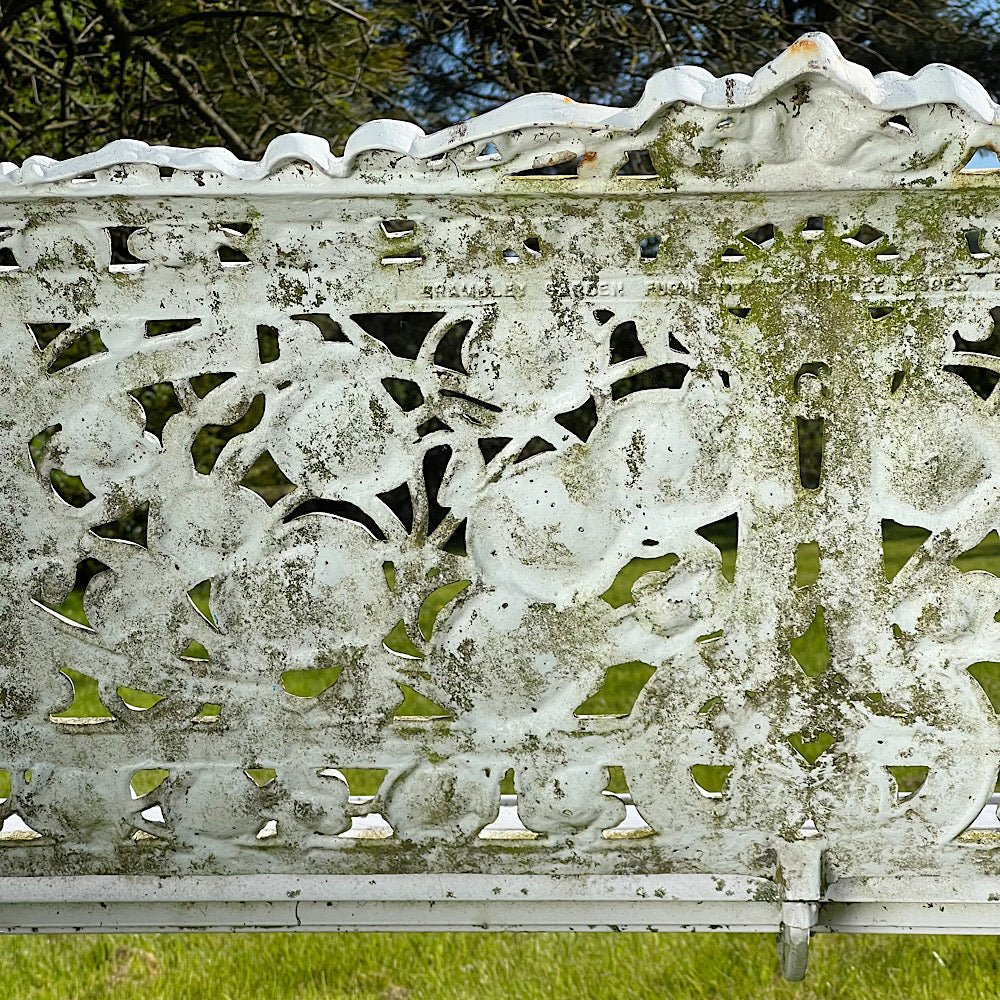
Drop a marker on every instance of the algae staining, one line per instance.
(984, 556)
(711, 780)
(86, 709)
(899, 543)
(616, 696)
(811, 650)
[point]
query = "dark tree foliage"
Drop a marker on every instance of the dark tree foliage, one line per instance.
(75, 74)
(467, 56)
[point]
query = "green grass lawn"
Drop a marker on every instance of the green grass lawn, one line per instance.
(488, 966)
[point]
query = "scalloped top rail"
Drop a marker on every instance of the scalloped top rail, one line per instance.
(809, 119)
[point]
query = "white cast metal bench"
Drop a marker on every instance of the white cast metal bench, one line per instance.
(579, 518)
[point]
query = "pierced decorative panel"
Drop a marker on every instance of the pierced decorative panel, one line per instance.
(576, 492)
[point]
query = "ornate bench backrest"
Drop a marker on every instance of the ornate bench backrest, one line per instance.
(584, 500)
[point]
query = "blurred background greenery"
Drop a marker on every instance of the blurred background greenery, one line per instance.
(75, 74)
